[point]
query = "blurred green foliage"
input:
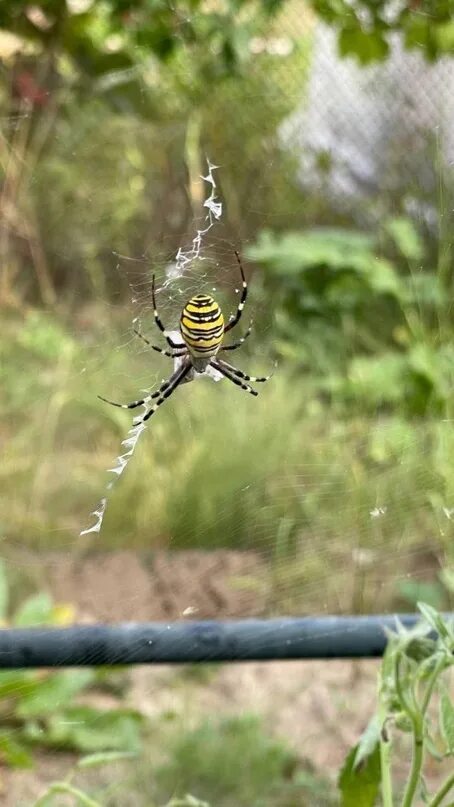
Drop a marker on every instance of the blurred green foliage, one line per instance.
(39, 709)
(414, 678)
(233, 763)
(108, 110)
(364, 314)
(366, 26)
(113, 131)
(121, 35)
(118, 35)
(233, 760)
(273, 485)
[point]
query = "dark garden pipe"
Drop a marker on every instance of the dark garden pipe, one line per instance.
(189, 641)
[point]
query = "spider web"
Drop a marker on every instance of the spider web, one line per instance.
(174, 271)
(360, 502)
(222, 505)
(312, 515)
(298, 514)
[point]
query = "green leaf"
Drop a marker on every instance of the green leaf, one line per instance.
(368, 741)
(37, 610)
(444, 34)
(104, 758)
(87, 729)
(420, 648)
(424, 361)
(447, 721)
(447, 578)
(418, 590)
(18, 683)
(296, 252)
(383, 278)
(55, 692)
(359, 784)
(417, 32)
(4, 591)
(406, 238)
(435, 620)
(367, 46)
(12, 752)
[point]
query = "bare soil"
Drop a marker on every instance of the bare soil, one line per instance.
(124, 586)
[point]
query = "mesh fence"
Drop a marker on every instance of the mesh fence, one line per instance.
(380, 132)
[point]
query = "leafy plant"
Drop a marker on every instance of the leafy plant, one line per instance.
(67, 787)
(365, 28)
(117, 36)
(411, 680)
(356, 311)
(233, 762)
(37, 708)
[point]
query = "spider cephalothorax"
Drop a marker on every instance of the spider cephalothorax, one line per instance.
(202, 329)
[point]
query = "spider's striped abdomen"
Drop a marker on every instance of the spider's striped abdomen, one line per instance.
(202, 326)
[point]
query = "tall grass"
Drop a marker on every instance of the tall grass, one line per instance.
(337, 511)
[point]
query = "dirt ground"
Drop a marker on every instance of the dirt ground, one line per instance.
(320, 708)
(123, 586)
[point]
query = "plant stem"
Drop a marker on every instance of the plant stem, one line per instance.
(416, 763)
(385, 747)
(430, 686)
(401, 694)
(64, 787)
(386, 781)
(417, 719)
(444, 790)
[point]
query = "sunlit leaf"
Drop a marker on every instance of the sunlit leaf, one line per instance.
(55, 692)
(368, 742)
(18, 683)
(359, 784)
(406, 237)
(13, 752)
(447, 578)
(37, 610)
(382, 277)
(367, 46)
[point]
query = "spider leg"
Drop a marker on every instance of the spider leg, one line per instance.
(172, 384)
(158, 320)
(239, 310)
(234, 345)
(171, 354)
(234, 379)
(135, 404)
(239, 373)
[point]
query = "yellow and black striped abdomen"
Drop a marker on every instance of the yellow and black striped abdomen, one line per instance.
(202, 326)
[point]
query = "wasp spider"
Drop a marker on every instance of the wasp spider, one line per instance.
(202, 330)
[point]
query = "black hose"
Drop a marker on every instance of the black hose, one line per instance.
(188, 642)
